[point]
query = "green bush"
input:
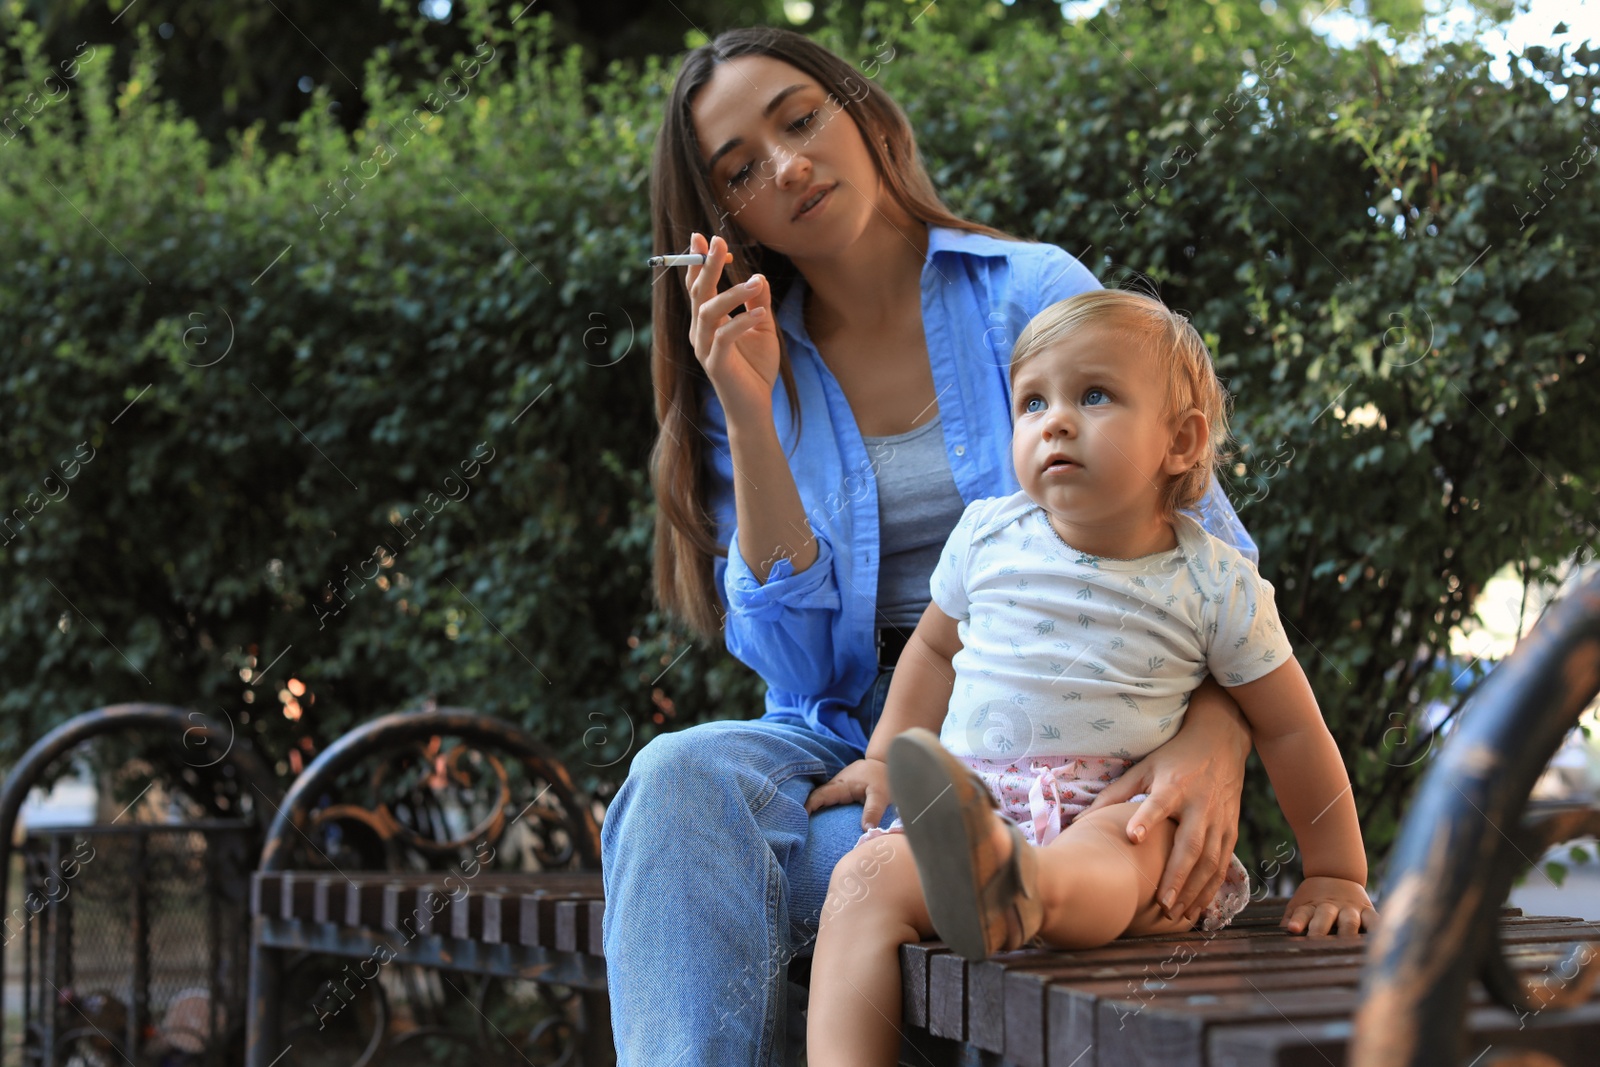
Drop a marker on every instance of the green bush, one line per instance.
(1412, 358)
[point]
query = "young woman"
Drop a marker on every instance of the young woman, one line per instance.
(801, 525)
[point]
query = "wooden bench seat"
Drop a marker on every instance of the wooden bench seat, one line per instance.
(559, 911)
(1415, 994)
(1247, 996)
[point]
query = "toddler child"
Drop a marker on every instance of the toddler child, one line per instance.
(1069, 623)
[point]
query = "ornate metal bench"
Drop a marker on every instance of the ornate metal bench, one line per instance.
(470, 853)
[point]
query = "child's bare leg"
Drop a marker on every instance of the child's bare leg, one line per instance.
(1097, 885)
(874, 905)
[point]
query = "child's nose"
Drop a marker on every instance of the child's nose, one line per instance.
(1058, 423)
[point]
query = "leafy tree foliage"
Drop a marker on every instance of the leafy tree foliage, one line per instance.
(229, 66)
(230, 380)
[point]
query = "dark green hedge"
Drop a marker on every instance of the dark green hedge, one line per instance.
(260, 384)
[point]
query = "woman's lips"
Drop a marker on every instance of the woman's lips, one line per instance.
(817, 208)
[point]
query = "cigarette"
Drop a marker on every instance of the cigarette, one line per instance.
(693, 259)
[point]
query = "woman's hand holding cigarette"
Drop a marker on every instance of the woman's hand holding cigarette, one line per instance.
(739, 354)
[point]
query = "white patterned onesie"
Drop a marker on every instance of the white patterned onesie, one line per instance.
(1072, 667)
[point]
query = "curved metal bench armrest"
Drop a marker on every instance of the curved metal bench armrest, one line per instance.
(400, 728)
(1458, 849)
(191, 729)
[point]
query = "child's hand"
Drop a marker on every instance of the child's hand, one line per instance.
(865, 781)
(1321, 903)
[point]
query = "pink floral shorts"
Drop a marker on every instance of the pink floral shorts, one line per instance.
(1043, 794)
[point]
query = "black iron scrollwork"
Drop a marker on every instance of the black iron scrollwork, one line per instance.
(443, 789)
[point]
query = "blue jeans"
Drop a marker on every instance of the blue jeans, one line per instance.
(715, 877)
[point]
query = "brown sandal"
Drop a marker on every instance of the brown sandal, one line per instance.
(945, 808)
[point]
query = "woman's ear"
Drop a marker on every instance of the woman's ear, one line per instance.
(1190, 436)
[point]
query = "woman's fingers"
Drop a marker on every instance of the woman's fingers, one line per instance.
(696, 244)
(1227, 840)
(711, 322)
(702, 280)
(1219, 874)
(751, 294)
(1151, 812)
(1205, 877)
(715, 355)
(691, 276)
(1118, 792)
(702, 285)
(728, 331)
(1186, 848)
(701, 325)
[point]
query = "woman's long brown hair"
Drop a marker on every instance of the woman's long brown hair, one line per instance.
(682, 202)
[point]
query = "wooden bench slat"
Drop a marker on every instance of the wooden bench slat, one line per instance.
(363, 904)
(265, 886)
(538, 907)
(466, 917)
(914, 965)
(414, 911)
(947, 996)
(571, 924)
(327, 899)
(1028, 981)
(502, 918)
(1570, 1037)
(1026, 997)
(1006, 995)
(597, 912)
(1070, 1039)
(296, 898)
(1021, 1031)
(1176, 1028)
(528, 927)
(986, 1007)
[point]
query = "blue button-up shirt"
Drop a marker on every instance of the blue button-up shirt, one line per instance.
(810, 635)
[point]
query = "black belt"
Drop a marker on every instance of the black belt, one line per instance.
(891, 642)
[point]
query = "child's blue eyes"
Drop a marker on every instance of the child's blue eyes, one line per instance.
(1089, 397)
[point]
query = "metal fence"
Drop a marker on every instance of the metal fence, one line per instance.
(134, 940)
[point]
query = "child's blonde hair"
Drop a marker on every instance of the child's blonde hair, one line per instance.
(1191, 380)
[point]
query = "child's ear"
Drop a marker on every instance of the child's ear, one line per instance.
(1190, 435)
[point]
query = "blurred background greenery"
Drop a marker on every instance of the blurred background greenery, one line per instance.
(274, 273)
